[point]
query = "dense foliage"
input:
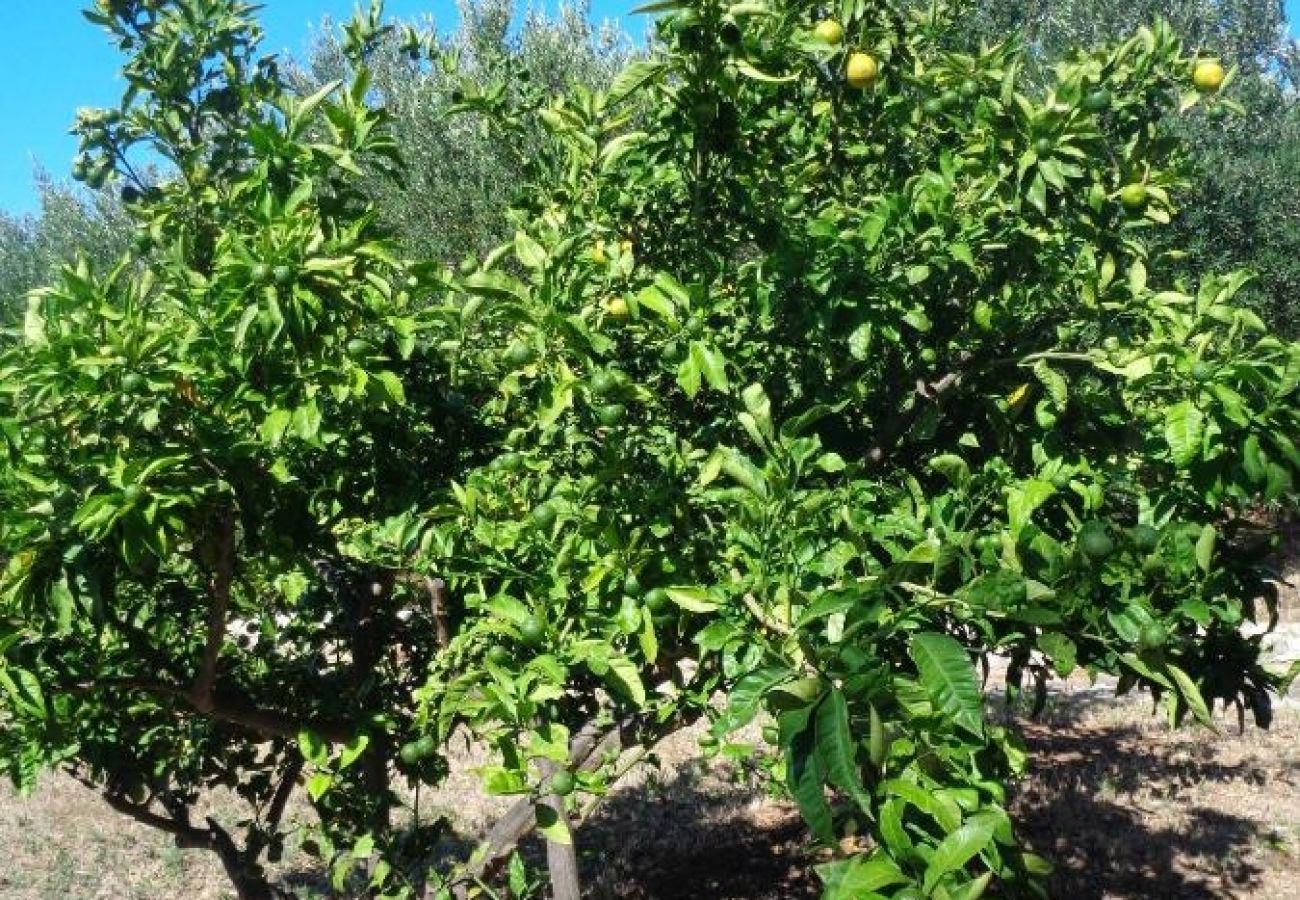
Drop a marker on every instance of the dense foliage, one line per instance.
(34, 247)
(1242, 206)
(823, 361)
(458, 181)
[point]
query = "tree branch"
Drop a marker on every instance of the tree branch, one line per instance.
(223, 573)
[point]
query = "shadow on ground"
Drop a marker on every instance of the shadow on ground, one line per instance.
(1124, 810)
(1117, 811)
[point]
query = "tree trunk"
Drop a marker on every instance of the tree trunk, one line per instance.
(561, 856)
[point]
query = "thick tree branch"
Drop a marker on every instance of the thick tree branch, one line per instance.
(248, 880)
(219, 582)
(266, 722)
(587, 751)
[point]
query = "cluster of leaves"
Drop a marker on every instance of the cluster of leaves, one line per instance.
(1241, 205)
(822, 362)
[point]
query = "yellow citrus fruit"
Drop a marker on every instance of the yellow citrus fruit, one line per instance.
(625, 247)
(862, 70)
(617, 307)
(829, 31)
(1208, 76)
(598, 253)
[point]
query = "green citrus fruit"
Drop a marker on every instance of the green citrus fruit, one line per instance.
(1145, 538)
(519, 354)
(1153, 636)
(605, 382)
(426, 745)
(932, 107)
(1097, 100)
(507, 462)
(611, 413)
(532, 631)
(261, 273)
(656, 599)
(1208, 76)
(1133, 197)
(1043, 146)
(498, 655)
(617, 308)
(862, 70)
(132, 382)
(1095, 542)
(631, 585)
(544, 515)
(133, 493)
(983, 315)
(970, 88)
(563, 783)
(950, 99)
(829, 31)
(283, 275)
(1202, 371)
(410, 753)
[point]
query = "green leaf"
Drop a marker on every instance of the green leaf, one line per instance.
(353, 749)
(952, 467)
(745, 699)
(530, 253)
(318, 785)
(1055, 384)
(1023, 500)
(1205, 548)
(1184, 430)
(694, 599)
(806, 777)
(958, 848)
(836, 745)
(394, 392)
(711, 364)
(552, 826)
(313, 747)
(861, 875)
(635, 76)
(623, 672)
(1191, 694)
(948, 677)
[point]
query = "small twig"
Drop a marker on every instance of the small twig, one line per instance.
(751, 603)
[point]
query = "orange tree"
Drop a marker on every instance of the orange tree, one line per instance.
(824, 361)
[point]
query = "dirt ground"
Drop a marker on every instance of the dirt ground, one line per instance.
(1125, 807)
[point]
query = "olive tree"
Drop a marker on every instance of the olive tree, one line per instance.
(457, 180)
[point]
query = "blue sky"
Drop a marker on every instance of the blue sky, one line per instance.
(52, 61)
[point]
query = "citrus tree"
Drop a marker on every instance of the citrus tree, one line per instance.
(824, 363)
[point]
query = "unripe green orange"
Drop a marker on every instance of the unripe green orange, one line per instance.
(1133, 197)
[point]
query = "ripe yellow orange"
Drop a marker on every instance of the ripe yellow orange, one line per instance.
(829, 31)
(862, 70)
(1208, 76)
